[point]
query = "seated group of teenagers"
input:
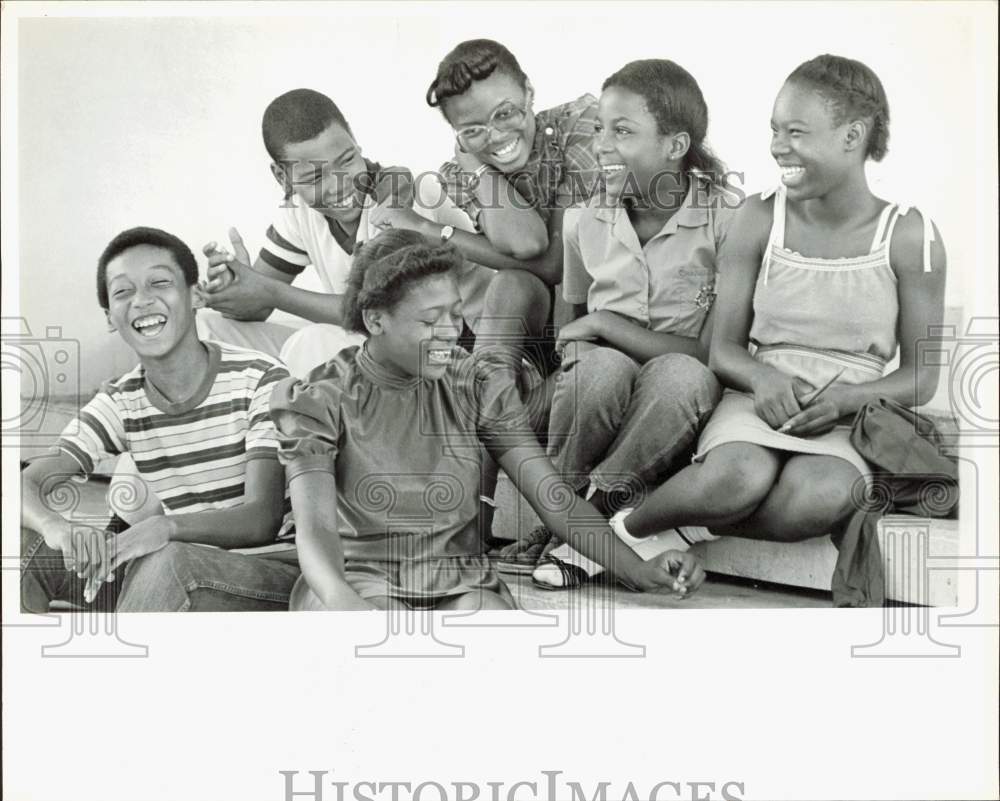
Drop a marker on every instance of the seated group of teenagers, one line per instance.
(715, 348)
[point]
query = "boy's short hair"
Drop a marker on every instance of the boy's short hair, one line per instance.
(297, 116)
(142, 235)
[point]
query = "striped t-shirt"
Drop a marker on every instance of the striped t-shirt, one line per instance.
(193, 454)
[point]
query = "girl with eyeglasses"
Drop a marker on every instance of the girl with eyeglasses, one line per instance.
(501, 201)
(513, 174)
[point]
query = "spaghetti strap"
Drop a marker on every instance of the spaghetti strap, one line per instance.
(928, 233)
(777, 235)
(880, 229)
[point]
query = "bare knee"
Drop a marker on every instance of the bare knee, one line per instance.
(812, 497)
(738, 478)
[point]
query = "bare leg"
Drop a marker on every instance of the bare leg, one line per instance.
(811, 497)
(727, 486)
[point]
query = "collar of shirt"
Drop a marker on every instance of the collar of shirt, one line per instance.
(692, 214)
(555, 135)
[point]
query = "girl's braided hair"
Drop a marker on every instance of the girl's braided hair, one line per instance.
(384, 269)
(854, 91)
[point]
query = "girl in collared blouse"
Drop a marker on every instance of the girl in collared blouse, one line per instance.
(383, 451)
(826, 282)
(639, 270)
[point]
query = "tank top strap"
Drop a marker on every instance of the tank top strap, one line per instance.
(929, 237)
(777, 235)
(881, 228)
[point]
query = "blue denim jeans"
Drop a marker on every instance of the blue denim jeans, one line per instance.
(181, 577)
(622, 426)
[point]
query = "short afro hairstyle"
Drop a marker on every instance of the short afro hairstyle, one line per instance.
(134, 237)
(297, 116)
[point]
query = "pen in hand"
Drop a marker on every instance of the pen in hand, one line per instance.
(809, 400)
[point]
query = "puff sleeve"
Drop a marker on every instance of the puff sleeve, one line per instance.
(307, 419)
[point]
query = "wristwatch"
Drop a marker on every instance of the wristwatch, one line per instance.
(447, 232)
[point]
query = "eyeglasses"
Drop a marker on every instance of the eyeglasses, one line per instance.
(506, 117)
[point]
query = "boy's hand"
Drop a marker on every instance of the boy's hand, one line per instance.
(677, 571)
(144, 537)
(84, 548)
(245, 294)
(219, 274)
(390, 215)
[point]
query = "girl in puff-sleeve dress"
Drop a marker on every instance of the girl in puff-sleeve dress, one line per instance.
(384, 445)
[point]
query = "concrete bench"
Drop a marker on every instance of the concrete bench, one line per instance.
(906, 543)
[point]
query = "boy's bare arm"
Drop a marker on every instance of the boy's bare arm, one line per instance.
(252, 293)
(81, 545)
(252, 523)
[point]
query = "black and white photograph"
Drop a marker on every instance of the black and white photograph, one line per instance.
(604, 395)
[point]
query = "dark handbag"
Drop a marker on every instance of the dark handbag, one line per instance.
(911, 473)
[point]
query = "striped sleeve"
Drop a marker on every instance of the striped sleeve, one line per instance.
(283, 247)
(98, 433)
(262, 438)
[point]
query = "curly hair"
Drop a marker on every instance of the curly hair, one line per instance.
(474, 60)
(854, 91)
(386, 267)
(676, 102)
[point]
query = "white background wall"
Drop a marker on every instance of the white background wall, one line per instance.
(156, 121)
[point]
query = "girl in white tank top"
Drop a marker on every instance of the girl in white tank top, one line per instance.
(820, 280)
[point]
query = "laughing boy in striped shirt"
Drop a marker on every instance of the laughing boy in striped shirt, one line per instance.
(194, 417)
